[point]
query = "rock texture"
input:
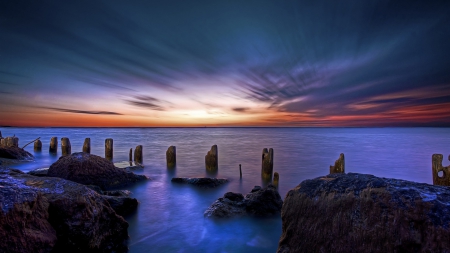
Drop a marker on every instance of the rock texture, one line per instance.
(361, 213)
(203, 182)
(90, 169)
(260, 202)
(41, 214)
(16, 153)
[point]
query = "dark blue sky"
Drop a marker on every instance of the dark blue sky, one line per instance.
(228, 63)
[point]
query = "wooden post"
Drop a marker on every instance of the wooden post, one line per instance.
(339, 165)
(130, 156)
(276, 179)
(267, 163)
(109, 148)
(87, 145)
(138, 154)
(66, 148)
(53, 145)
(212, 159)
(436, 167)
(38, 145)
(171, 156)
(240, 170)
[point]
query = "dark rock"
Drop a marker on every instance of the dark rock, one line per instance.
(234, 196)
(90, 169)
(42, 214)
(13, 152)
(260, 202)
(204, 182)
(361, 213)
(39, 172)
(117, 193)
(122, 205)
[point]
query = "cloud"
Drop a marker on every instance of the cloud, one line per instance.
(146, 102)
(82, 111)
(240, 109)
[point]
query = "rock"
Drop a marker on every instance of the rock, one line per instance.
(90, 169)
(360, 213)
(339, 165)
(42, 214)
(203, 182)
(128, 165)
(117, 193)
(13, 152)
(122, 205)
(42, 172)
(260, 202)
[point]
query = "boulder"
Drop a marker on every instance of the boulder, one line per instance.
(122, 205)
(203, 182)
(90, 169)
(41, 172)
(42, 214)
(260, 202)
(361, 213)
(16, 153)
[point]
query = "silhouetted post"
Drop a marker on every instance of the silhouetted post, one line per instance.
(11, 142)
(267, 163)
(276, 179)
(109, 149)
(130, 155)
(138, 154)
(2, 142)
(339, 165)
(53, 145)
(66, 148)
(211, 159)
(171, 156)
(38, 145)
(240, 170)
(436, 167)
(1, 137)
(87, 145)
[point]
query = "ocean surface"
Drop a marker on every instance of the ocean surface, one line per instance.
(170, 216)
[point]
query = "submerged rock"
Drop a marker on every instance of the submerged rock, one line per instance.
(203, 182)
(43, 214)
(42, 172)
(360, 213)
(16, 153)
(90, 169)
(260, 202)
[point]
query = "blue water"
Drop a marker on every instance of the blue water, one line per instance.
(170, 216)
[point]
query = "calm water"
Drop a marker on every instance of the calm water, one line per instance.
(170, 217)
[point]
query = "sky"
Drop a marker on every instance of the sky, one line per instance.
(142, 63)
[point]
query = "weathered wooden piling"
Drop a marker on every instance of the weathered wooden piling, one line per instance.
(339, 165)
(276, 179)
(38, 145)
(109, 149)
(66, 148)
(240, 171)
(53, 145)
(171, 156)
(87, 145)
(138, 154)
(11, 141)
(2, 142)
(211, 159)
(267, 163)
(436, 167)
(130, 155)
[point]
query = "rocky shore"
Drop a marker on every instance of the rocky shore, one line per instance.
(45, 214)
(360, 213)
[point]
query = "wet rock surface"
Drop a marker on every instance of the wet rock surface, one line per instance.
(203, 182)
(42, 172)
(15, 153)
(43, 214)
(90, 169)
(260, 202)
(360, 213)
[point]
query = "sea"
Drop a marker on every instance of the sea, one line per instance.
(170, 216)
